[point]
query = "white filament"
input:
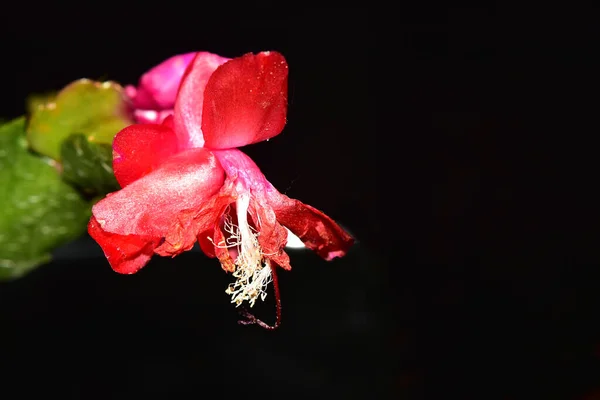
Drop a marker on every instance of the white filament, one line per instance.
(252, 269)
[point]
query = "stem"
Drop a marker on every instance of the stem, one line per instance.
(251, 319)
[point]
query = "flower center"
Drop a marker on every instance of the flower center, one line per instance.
(252, 269)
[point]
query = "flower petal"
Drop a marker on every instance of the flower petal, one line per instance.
(158, 87)
(140, 99)
(141, 148)
(210, 232)
(125, 253)
(168, 122)
(274, 210)
(165, 204)
(273, 236)
(245, 101)
(188, 105)
(316, 230)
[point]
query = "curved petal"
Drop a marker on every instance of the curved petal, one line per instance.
(158, 87)
(125, 253)
(273, 236)
(165, 204)
(168, 122)
(316, 230)
(245, 101)
(188, 105)
(210, 224)
(141, 148)
(141, 99)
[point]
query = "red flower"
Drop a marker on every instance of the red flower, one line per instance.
(184, 180)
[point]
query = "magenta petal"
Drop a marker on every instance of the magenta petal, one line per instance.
(245, 101)
(158, 87)
(188, 106)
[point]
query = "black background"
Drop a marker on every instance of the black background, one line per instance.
(456, 145)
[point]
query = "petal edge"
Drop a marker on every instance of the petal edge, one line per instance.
(188, 105)
(316, 230)
(141, 148)
(245, 101)
(126, 254)
(165, 204)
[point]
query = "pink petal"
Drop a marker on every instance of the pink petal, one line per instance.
(141, 99)
(245, 101)
(131, 92)
(188, 105)
(168, 203)
(158, 87)
(139, 149)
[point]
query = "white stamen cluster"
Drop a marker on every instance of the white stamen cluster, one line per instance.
(253, 270)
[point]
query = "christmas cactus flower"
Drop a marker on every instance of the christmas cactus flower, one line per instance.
(184, 181)
(154, 97)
